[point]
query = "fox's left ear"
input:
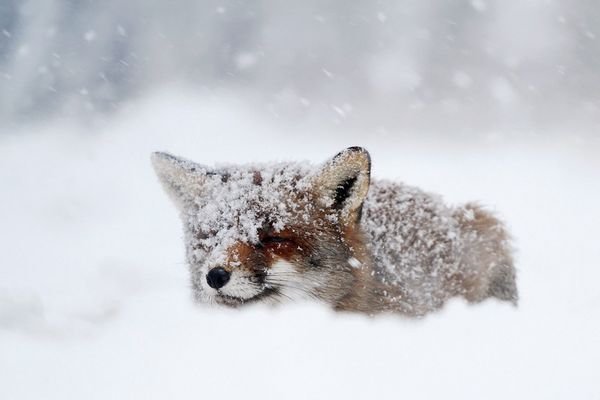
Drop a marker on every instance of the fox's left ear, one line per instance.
(343, 182)
(183, 180)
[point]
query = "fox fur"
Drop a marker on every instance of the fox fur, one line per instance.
(330, 233)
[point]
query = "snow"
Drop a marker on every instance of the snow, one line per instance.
(95, 300)
(479, 5)
(354, 263)
(462, 80)
(90, 36)
(246, 60)
(502, 91)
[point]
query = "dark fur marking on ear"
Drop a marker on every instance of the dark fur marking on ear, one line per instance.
(359, 213)
(343, 191)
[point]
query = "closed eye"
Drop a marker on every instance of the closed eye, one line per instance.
(274, 239)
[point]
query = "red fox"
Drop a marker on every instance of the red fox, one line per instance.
(270, 233)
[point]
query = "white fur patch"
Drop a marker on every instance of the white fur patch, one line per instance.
(239, 286)
(292, 285)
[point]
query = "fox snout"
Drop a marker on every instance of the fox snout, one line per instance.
(217, 277)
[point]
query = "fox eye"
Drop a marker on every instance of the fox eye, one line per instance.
(274, 239)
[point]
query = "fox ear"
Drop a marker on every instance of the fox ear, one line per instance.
(182, 179)
(343, 182)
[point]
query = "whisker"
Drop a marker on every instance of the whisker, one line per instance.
(289, 285)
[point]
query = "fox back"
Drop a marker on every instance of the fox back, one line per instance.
(277, 232)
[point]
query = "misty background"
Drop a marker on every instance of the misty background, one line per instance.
(443, 66)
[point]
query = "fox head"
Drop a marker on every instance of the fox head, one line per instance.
(270, 232)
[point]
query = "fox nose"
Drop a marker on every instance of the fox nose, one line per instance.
(217, 277)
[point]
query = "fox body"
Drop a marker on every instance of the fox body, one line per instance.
(270, 233)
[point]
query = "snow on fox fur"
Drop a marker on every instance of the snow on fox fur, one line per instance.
(275, 232)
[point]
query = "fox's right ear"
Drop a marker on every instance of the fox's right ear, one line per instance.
(343, 182)
(182, 179)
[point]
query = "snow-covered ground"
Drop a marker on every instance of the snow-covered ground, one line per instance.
(94, 296)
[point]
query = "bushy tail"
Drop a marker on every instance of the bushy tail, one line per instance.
(503, 283)
(487, 261)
